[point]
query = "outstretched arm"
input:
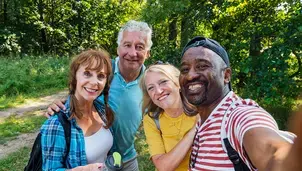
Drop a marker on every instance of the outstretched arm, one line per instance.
(256, 137)
(264, 147)
(293, 160)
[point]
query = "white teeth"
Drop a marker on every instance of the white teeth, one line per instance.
(90, 90)
(194, 87)
(162, 97)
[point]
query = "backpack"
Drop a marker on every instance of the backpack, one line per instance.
(35, 160)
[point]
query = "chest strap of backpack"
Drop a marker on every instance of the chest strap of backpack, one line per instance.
(233, 155)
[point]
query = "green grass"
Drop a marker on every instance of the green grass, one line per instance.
(13, 126)
(15, 161)
(31, 77)
(144, 162)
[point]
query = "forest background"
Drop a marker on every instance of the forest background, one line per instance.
(262, 37)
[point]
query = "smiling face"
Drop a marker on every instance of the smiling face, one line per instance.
(89, 83)
(163, 91)
(132, 51)
(203, 77)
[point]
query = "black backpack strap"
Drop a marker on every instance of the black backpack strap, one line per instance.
(233, 155)
(67, 131)
(239, 165)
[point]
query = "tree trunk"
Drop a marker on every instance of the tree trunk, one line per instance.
(255, 45)
(42, 31)
(5, 12)
(185, 29)
(173, 30)
(79, 22)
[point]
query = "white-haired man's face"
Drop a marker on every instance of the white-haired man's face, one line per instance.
(133, 51)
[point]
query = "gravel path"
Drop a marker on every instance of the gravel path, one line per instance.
(26, 140)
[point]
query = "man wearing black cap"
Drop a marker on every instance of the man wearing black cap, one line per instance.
(232, 133)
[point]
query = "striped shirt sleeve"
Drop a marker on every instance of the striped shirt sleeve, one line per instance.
(53, 145)
(244, 118)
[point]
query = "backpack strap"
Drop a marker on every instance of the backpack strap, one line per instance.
(113, 65)
(156, 120)
(233, 155)
(67, 131)
(238, 163)
(113, 69)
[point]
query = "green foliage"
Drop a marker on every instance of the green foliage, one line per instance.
(8, 42)
(14, 126)
(64, 27)
(32, 74)
(144, 161)
(31, 77)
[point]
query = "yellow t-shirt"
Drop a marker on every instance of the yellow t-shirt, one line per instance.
(173, 130)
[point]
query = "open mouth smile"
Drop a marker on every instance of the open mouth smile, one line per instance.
(162, 97)
(90, 90)
(195, 87)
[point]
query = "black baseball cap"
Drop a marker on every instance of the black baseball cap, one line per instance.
(209, 44)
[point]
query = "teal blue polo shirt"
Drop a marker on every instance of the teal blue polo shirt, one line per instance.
(125, 100)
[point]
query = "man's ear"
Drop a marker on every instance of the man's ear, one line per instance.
(117, 51)
(227, 75)
(148, 54)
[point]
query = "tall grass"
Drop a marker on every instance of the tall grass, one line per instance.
(30, 77)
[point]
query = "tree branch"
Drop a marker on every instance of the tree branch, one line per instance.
(299, 64)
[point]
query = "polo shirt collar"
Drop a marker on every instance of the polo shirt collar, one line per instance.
(117, 70)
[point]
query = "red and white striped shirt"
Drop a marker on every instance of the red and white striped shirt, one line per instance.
(242, 115)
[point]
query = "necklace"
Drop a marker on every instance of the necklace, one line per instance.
(177, 125)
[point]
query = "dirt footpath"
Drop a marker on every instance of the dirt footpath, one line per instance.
(30, 105)
(26, 140)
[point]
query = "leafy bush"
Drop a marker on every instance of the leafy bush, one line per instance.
(9, 42)
(32, 76)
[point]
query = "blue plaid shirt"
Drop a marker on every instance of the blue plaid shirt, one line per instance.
(54, 145)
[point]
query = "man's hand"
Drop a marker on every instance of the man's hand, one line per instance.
(55, 107)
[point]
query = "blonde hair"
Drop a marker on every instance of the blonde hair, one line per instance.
(169, 71)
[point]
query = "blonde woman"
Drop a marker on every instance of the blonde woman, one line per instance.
(170, 144)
